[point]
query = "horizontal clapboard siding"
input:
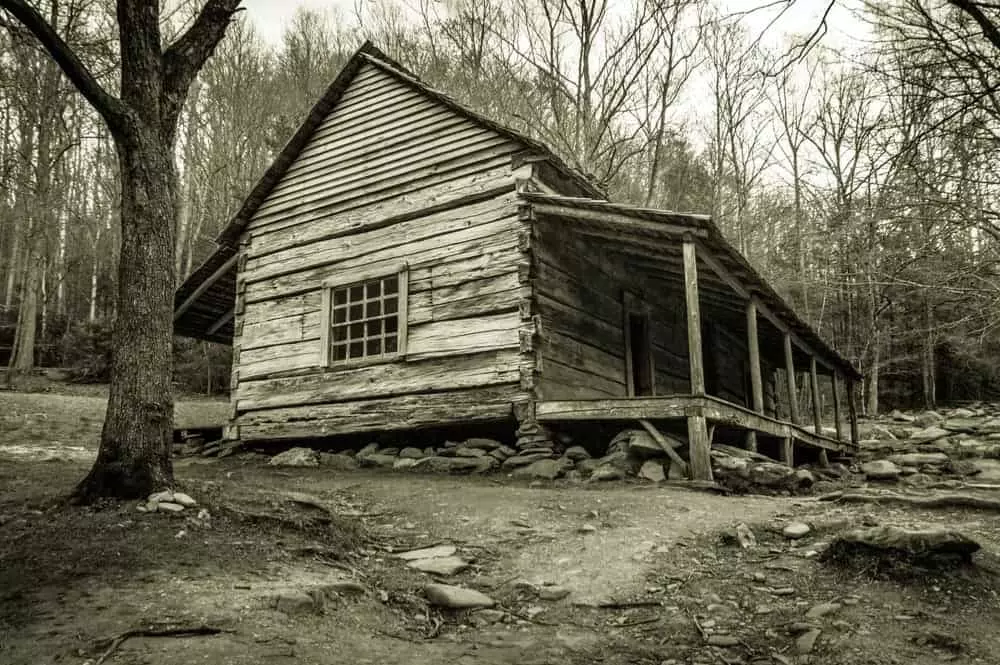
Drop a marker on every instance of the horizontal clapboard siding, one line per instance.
(390, 177)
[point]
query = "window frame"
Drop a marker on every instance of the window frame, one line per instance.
(348, 278)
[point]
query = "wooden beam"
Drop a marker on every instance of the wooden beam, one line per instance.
(814, 392)
(788, 451)
(699, 448)
(226, 318)
(753, 346)
(793, 403)
(667, 448)
(695, 359)
(835, 379)
(750, 441)
(852, 410)
(205, 286)
(616, 221)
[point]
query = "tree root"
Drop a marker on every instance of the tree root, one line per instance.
(179, 631)
(944, 501)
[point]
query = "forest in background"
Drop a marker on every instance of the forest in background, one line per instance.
(861, 183)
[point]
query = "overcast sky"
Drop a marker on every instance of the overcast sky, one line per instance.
(271, 16)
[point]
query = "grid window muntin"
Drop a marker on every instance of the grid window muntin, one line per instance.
(366, 320)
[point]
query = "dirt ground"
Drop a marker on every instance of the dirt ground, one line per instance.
(650, 578)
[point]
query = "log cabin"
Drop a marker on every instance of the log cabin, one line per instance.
(407, 263)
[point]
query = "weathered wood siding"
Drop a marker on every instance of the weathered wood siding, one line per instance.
(579, 289)
(390, 176)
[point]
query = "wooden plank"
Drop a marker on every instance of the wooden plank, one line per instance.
(699, 448)
(835, 379)
(561, 381)
(693, 319)
(793, 396)
(623, 408)
(464, 336)
(616, 221)
(667, 447)
(382, 414)
(814, 392)
(753, 350)
(382, 380)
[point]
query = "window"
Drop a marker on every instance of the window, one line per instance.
(365, 320)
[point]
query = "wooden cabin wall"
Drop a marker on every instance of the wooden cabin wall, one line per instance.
(389, 176)
(578, 291)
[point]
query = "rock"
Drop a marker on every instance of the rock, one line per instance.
(821, 610)
(587, 466)
(549, 469)
(675, 472)
(807, 641)
(347, 588)
(796, 530)
(881, 432)
(895, 545)
(917, 459)
(769, 474)
(482, 444)
(446, 565)
(962, 413)
(744, 536)
(901, 417)
(989, 470)
(880, 470)
(962, 467)
(486, 617)
(338, 461)
(294, 602)
(523, 459)
(606, 472)
(301, 457)
(164, 495)
(801, 478)
(917, 480)
(503, 452)
(430, 451)
(184, 499)
(368, 450)
(462, 451)
(724, 465)
(653, 471)
(577, 453)
(927, 418)
(403, 463)
(552, 593)
(455, 597)
(931, 433)
(377, 460)
(389, 451)
(722, 641)
(411, 453)
(427, 553)
(587, 528)
(168, 507)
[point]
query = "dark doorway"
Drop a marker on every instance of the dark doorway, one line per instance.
(640, 359)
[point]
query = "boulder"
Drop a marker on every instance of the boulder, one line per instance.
(901, 417)
(726, 466)
(931, 433)
(462, 451)
(163, 495)
(294, 602)
(502, 453)
(389, 451)
(607, 472)
(577, 453)
(927, 418)
(523, 459)
(652, 470)
(377, 460)
(482, 444)
(368, 450)
(881, 433)
(962, 413)
(989, 470)
(456, 464)
(636, 443)
(802, 478)
(587, 466)
(880, 470)
(796, 530)
(446, 565)
(549, 469)
(455, 597)
(769, 474)
(302, 457)
(411, 453)
(184, 499)
(403, 463)
(338, 461)
(918, 459)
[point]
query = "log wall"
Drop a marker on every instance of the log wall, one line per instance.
(389, 177)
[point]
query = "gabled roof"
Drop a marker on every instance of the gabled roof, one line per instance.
(369, 54)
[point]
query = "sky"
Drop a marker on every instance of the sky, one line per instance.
(271, 16)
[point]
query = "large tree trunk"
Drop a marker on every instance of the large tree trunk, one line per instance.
(134, 457)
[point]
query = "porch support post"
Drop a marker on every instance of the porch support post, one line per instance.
(793, 404)
(814, 391)
(698, 443)
(788, 451)
(756, 383)
(852, 410)
(836, 406)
